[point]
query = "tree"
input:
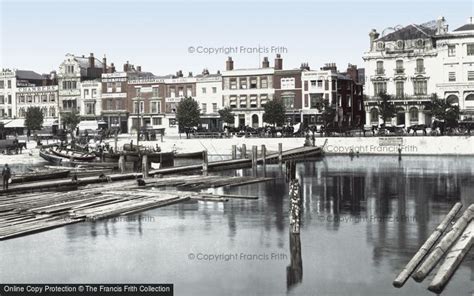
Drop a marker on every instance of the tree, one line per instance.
(70, 121)
(274, 112)
(444, 111)
(387, 109)
(328, 114)
(226, 115)
(33, 119)
(187, 114)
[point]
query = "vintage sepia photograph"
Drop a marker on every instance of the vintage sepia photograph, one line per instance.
(251, 147)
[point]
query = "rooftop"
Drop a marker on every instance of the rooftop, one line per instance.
(409, 32)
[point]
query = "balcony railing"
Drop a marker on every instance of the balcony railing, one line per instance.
(399, 70)
(420, 70)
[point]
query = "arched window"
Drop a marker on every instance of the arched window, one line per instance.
(470, 97)
(374, 115)
(452, 99)
(413, 115)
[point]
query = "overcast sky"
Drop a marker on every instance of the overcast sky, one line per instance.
(158, 35)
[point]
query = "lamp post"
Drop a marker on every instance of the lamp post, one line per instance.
(138, 117)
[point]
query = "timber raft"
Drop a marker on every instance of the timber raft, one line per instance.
(69, 184)
(30, 213)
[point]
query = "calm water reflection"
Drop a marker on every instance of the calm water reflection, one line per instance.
(362, 220)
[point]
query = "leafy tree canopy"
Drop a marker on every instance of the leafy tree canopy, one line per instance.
(274, 112)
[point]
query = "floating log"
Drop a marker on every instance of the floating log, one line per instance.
(444, 245)
(453, 259)
(426, 247)
(228, 196)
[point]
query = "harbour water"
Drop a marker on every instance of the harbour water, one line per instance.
(363, 219)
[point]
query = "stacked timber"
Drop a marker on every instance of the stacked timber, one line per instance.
(22, 214)
(454, 246)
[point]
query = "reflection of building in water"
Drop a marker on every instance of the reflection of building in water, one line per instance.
(294, 271)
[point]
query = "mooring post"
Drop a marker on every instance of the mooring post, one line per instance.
(204, 162)
(121, 163)
(295, 200)
(254, 156)
(243, 152)
(145, 165)
(234, 151)
(264, 156)
(280, 153)
(116, 140)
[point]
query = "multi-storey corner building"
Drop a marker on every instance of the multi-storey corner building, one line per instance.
(44, 97)
(456, 62)
(342, 90)
(73, 72)
(416, 61)
(246, 91)
(11, 81)
(209, 96)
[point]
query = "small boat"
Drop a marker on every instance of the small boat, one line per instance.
(75, 155)
(197, 154)
(50, 157)
(40, 175)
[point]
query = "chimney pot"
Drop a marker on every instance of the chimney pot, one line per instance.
(278, 62)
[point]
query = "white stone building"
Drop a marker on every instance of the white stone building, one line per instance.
(456, 64)
(413, 63)
(209, 97)
(246, 91)
(90, 103)
(44, 97)
(73, 72)
(10, 81)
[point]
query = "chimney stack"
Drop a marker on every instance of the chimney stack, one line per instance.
(278, 62)
(112, 68)
(441, 27)
(126, 67)
(190, 74)
(265, 63)
(373, 35)
(91, 61)
(304, 66)
(139, 68)
(205, 72)
(229, 64)
(104, 65)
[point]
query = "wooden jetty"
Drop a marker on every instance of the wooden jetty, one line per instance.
(296, 153)
(29, 213)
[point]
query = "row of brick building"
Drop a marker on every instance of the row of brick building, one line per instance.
(122, 97)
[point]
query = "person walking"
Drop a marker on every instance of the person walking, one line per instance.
(6, 174)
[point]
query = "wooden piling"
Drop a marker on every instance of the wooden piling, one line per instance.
(264, 156)
(121, 163)
(145, 167)
(280, 153)
(254, 156)
(425, 248)
(234, 151)
(116, 141)
(205, 162)
(453, 259)
(444, 245)
(243, 151)
(295, 206)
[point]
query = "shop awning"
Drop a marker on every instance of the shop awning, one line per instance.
(15, 123)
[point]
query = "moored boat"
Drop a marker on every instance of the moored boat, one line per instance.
(75, 155)
(47, 155)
